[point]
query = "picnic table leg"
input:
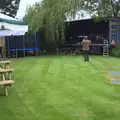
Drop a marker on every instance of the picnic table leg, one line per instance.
(3, 76)
(5, 87)
(9, 75)
(6, 91)
(7, 66)
(6, 73)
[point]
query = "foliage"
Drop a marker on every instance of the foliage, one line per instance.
(10, 7)
(3, 3)
(116, 51)
(50, 15)
(103, 8)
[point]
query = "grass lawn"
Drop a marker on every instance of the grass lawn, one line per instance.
(61, 88)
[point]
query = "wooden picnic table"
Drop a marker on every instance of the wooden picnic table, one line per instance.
(6, 81)
(5, 64)
(6, 72)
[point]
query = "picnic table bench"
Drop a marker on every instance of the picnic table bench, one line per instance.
(5, 64)
(6, 75)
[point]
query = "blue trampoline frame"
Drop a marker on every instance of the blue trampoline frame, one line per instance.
(25, 49)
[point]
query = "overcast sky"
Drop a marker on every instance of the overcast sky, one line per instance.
(23, 5)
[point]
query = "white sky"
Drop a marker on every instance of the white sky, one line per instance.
(23, 5)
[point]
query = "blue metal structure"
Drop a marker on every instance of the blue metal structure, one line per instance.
(22, 44)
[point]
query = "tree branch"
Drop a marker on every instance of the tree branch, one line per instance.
(113, 10)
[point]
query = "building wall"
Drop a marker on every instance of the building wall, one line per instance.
(86, 28)
(114, 30)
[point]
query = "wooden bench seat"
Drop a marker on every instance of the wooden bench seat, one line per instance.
(6, 70)
(5, 62)
(7, 82)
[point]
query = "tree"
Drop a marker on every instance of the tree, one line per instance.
(10, 7)
(50, 15)
(103, 8)
(3, 3)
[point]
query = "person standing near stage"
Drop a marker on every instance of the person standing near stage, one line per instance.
(113, 45)
(86, 44)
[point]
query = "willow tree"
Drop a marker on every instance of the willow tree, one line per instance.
(49, 16)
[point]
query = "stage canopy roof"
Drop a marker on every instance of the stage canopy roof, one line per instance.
(11, 26)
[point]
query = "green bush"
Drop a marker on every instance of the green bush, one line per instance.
(116, 51)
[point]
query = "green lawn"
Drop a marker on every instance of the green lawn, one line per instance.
(61, 88)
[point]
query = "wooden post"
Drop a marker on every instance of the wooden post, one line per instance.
(6, 91)
(9, 75)
(5, 87)
(2, 45)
